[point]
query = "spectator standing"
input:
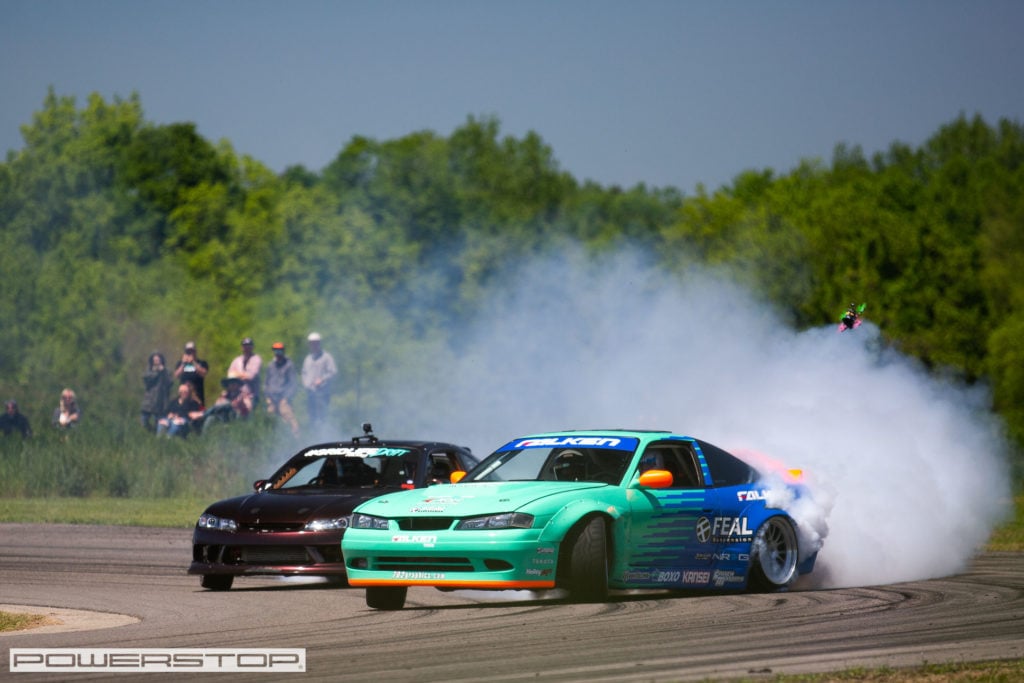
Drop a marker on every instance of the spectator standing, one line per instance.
(67, 414)
(157, 382)
(318, 371)
(280, 387)
(13, 420)
(180, 413)
(192, 369)
(247, 368)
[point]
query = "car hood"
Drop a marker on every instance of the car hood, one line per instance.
(471, 498)
(291, 506)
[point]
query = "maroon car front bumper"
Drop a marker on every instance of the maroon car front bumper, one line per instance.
(284, 553)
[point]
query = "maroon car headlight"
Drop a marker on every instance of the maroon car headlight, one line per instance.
(218, 523)
(505, 520)
(326, 524)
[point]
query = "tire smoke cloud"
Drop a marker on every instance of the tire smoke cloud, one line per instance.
(909, 470)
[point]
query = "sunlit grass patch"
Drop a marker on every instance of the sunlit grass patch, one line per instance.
(153, 512)
(13, 621)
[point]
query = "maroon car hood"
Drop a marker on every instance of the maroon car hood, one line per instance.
(292, 506)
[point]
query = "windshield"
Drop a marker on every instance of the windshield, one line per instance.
(601, 465)
(333, 472)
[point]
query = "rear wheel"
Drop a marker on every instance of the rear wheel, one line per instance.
(386, 597)
(587, 555)
(217, 582)
(773, 555)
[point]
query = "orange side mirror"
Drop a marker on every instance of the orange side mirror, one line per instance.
(656, 479)
(457, 476)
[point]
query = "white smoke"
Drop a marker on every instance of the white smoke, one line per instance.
(909, 471)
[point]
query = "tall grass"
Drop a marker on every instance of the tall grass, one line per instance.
(125, 461)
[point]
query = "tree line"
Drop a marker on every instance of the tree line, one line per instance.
(119, 236)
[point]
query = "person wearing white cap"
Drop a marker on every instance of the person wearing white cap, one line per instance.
(318, 371)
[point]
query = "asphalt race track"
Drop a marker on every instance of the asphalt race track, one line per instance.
(470, 636)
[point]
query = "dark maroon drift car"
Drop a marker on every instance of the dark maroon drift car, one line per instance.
(292, 525)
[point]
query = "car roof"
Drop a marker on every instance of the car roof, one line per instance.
(617, 431)
(412, 444)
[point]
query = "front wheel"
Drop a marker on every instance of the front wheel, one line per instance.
(773, 556)
(386, 597)
(217, 582)
(587, 578)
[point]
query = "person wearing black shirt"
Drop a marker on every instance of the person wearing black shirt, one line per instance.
(192, 370)
(12, 420)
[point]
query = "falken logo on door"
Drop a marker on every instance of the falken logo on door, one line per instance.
(427, 541)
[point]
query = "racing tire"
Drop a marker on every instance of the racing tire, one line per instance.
(587, 578)
(217, 582)
(386, 597)
(774, 555)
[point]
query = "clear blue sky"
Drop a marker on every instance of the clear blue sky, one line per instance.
(668, 93)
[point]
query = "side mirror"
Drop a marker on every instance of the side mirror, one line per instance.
(656, 479)
(457, 476)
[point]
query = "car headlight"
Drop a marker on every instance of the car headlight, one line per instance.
(219, 523)
(326, 524)
(506, 520)
(361, 521)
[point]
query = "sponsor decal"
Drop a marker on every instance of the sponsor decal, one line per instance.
(555, 442)
(722, 557)
(703, 529)
(723, 529)
(123, 660)
(538, 572)
(545, 550)
(637, 575)
(427, 540)
(431, 508)
(730, 529)
(357, 452)
(693, 578)
(417, 576)
(751, 495)
(543, 560)
(722, 578)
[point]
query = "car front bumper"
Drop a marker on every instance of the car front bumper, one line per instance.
(292, 553)
(500, 559)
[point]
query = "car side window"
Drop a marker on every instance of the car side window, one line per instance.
(440, 468)
(678, 460)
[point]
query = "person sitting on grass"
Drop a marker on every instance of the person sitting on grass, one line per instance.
(235, 401)
(180, 414)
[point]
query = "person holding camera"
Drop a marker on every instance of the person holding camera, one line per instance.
(192, 370)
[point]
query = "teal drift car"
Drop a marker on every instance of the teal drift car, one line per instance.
(586, 511)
